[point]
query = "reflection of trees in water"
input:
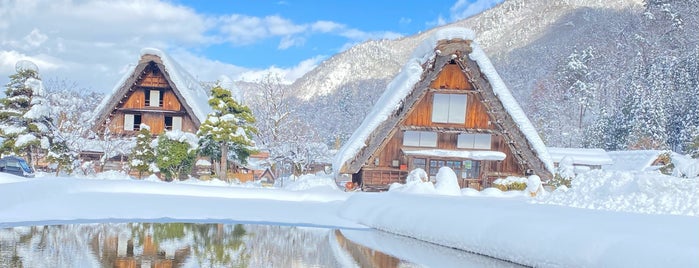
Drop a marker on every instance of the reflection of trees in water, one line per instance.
(218, 245)
(289, 246)
(166, 245)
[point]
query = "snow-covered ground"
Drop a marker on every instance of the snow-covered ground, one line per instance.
(605, 218)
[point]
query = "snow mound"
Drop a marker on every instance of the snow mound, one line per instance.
(447, 183)
(637, 192)
(305, 182)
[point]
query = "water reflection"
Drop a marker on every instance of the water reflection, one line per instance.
(218, 245)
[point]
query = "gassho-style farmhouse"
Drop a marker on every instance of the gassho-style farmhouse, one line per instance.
(447, 107)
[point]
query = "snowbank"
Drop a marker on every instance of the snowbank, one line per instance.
(639, 192)
(532, 234)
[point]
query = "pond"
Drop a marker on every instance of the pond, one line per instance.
(221, 245)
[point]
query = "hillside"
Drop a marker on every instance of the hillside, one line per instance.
(569, 63)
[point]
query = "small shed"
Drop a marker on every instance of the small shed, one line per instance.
(638, 160)
(583, 159)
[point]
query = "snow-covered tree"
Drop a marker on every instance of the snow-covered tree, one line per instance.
(62, 157)
(229, 127)
(175, 154)
(142, 154)
(28, 128)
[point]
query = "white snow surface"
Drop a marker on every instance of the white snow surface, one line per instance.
(629, 230)
(581, 156)
(407, 78)
(475, 155)
(633, 160)
(193, 93)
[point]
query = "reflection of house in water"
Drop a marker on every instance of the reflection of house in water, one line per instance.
(120, 251)
(364, 256)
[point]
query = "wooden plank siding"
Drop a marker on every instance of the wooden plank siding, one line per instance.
(153, 78)
(135, 101)
(170, 101)
(450, 80)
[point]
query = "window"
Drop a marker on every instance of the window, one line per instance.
(173, 123)
(474, 141)
(449, 108)
(153, 98)
(420, 138)
(471, 169)
(132, 122)
(420, 163)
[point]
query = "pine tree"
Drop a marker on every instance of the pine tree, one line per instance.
(27, 127)
(62, 156)
(175, 154)
(229, 127)
(142, 154)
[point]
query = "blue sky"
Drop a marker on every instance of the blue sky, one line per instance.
(92, 42)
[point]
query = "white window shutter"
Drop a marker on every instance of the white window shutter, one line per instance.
(457, 108)
(176, 123)
(440, 108)
(128, 122)
(154, 98)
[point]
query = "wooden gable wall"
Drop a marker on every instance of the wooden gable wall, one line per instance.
(134, 102)
(451, 79)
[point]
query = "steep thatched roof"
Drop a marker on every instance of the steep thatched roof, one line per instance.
(187, 89)
(409, 86)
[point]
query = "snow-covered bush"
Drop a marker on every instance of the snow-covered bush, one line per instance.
(511, 184)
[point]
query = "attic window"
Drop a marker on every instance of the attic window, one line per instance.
(153, 98)
(132, 122)
(173, 123)
(420, 138)
(449, 108)
(474, 141)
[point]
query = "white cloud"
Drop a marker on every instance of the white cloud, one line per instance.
(325, 26)
(466, 8)
(288, 75)
(404, 20)
(244, 30)
(91, 41)
(35, 38)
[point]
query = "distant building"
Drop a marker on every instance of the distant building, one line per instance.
(447, 107)
(583, 159)
(638, 160)
(156, 92)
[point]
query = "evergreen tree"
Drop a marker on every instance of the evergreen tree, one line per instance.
(175, 154)
(142, 154)
(62, 156)
(27, 127)
(229, 127)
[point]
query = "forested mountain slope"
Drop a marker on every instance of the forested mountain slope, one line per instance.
(610, 74)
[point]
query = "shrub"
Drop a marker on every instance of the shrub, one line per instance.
(559, 180)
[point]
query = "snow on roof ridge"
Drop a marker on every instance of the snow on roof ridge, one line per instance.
(193, 93)
(403, 83)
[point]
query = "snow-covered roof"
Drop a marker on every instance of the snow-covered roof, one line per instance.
(410, 74)
(634, 160)
(475, 155)
(581, 156)
(193, 94)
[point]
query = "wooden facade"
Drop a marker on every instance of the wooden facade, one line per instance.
(148, 96)
(478, 139)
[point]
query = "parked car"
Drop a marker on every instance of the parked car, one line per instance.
(17, 166)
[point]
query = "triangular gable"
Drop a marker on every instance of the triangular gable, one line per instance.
(409, 86)
(188, 91)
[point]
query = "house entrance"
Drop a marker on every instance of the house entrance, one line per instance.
(464, 169)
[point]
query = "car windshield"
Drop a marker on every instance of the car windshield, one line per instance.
(25, 166)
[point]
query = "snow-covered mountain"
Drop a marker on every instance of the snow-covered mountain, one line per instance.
(536, 47)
